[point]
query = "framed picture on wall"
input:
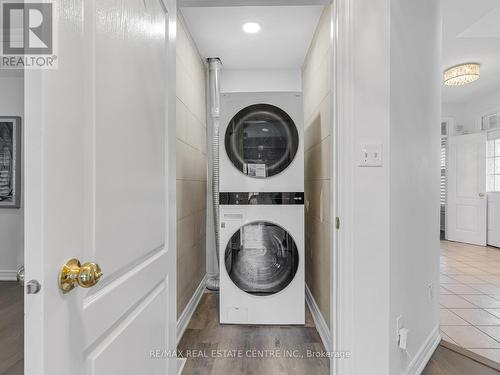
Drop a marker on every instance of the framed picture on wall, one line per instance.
(10, 161)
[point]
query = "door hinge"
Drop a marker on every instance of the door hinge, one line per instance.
(337, 223)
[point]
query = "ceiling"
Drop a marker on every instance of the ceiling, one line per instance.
(471, 33)
(282, 42)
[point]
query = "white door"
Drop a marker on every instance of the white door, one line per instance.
(466, 205)
(494, 219)
(100, 187)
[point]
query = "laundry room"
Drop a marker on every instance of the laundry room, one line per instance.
(254, 181)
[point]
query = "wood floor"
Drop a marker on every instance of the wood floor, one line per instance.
(11, 329)
(447, 362)
(204, 334)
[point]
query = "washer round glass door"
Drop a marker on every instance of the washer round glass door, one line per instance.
(261, 140)
(261, 258)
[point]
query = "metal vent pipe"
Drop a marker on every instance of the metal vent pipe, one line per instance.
(214, 67)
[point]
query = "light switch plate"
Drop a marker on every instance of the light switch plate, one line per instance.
(370, 155)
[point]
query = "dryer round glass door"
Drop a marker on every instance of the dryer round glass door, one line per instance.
(261, 140)
(261, 258)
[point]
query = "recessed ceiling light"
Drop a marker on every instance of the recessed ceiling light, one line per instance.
(251, 27)
(461, 74)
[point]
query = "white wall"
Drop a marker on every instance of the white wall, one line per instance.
(370, 192)
(11, 219)
(468, 113)
(395, 208)
(414, 175)
(260, 80)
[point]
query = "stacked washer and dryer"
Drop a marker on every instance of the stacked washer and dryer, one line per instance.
(261, 243)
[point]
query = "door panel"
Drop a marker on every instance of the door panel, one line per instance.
(494, 219)
(467, 166)
(100, 174)
(138, 331)
(129, 121)
(121, 295)
(466, 205)
(467, 218)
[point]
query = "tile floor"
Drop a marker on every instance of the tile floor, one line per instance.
(470, 297)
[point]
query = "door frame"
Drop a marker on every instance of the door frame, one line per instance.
(171, 170)
(342, 158)
(33, 153)
(342, 262)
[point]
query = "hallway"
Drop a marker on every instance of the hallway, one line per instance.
(470, 298)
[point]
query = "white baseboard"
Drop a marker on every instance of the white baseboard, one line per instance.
(186, 315)
(425, 353)
(319, 321)
(181, 362)
(8, 275)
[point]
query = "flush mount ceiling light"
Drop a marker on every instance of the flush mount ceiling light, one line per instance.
(461, 74)
(251, 27)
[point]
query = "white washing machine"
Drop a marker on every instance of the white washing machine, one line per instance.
(261, 142)
(262, 259)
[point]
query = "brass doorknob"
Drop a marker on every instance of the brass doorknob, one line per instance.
(20, 276)
(73, 274)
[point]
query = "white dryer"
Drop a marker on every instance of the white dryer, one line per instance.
(261, 142)
(262, 258)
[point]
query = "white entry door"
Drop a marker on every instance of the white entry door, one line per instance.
(100, 187)
(466, 205)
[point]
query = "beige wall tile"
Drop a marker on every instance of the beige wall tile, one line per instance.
(317, 161)
(317, 197)
(182, 83)
(180, 120)
(191, 163)
(317, 128)
(318, 121)
(318, 262)
(185, 234)
(196, 133)
(190, 270)
(316, 85)
(320, 45)
(184, 191)
(182, 41)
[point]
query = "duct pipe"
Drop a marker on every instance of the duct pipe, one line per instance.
(214, 67)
